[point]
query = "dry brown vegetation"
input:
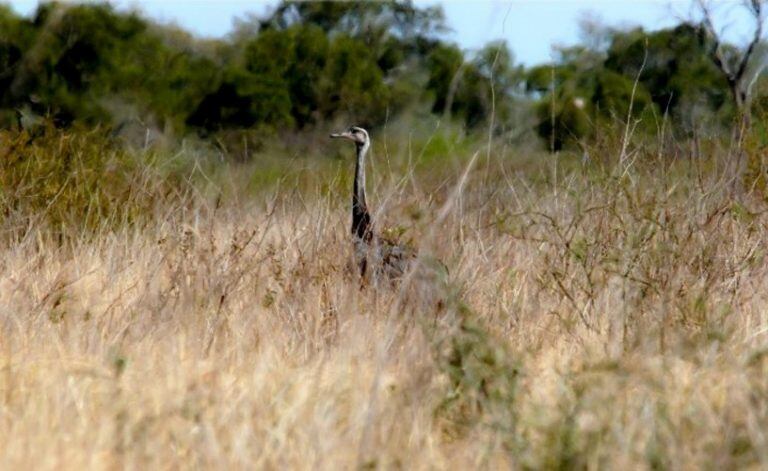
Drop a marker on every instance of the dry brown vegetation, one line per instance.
(592, 318)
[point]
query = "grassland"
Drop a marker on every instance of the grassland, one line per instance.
(608, 314)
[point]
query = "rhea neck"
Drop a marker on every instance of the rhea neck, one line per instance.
(361, 218)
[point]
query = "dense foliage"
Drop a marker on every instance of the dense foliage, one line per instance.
(313, 62)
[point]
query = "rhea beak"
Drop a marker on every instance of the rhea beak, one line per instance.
(345, 135)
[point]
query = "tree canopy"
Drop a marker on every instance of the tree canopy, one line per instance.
(307, 63)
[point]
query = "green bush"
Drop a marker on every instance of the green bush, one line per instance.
(77, 180)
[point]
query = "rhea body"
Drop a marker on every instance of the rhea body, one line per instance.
(385, 256)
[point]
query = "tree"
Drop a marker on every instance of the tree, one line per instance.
(676, 71)
(475, 88)
(579, 93)
(15, 37)
(352, 83)
(444, 64)
(734, 63)
(73, 53)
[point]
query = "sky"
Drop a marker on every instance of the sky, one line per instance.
(531, 27)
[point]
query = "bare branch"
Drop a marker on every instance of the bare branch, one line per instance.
(756, 9)
(716, 51)
(756, 75)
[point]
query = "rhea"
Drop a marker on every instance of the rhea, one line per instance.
(383, 256)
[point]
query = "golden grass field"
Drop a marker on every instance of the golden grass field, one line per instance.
(592, 318)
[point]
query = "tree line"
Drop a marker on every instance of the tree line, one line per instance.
(309, 63)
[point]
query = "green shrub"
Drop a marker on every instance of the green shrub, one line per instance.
(77, 180)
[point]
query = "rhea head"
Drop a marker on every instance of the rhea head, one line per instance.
(355, 134)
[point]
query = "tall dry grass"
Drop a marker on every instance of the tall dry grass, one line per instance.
(591, 318)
